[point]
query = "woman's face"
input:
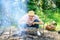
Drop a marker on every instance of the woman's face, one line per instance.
(31, 17)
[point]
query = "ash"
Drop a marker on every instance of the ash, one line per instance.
(46, 35)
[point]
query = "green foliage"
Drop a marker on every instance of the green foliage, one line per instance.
(31, 5)
(45, 10)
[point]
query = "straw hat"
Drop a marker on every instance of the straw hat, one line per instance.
(31, 13)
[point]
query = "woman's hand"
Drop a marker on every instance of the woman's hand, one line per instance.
(35, 23)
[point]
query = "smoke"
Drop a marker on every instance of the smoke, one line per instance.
(11, 12)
